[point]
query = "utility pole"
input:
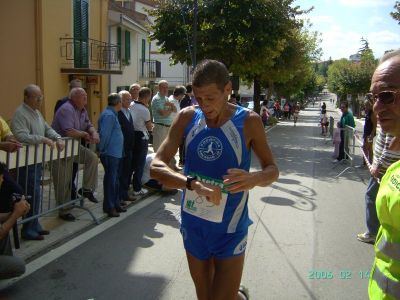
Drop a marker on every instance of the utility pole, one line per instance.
(194, 53)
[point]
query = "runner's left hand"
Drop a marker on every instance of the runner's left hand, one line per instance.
(238, 180)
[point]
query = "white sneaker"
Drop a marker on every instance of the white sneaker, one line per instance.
(143, 191)
(335, 161)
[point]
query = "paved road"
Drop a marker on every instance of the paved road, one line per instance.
(302, 244)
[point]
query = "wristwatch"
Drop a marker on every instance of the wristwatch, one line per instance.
(189, 180)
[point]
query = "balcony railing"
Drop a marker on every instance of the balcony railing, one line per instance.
(88, 56)
(150, 69)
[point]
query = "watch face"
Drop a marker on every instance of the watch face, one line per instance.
(189, 180)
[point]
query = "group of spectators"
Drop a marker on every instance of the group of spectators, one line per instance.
(121, 143)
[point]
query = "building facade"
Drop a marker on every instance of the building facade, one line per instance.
(49, 43)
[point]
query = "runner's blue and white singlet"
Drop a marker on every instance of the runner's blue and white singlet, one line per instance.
(210, 152)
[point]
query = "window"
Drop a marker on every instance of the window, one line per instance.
(127, 47)
(81, 33)
(124, 46)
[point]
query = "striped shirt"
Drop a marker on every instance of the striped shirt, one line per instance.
(157, 104)
(383, 157)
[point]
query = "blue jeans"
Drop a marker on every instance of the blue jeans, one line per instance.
(139, 160)
(110, 181)
(31, 187)
(370, 205)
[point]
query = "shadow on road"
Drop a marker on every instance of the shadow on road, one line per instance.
(105, 267)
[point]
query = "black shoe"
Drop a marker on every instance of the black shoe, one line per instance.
(113, 213)
(88, 194)
(120, 209)
(44, 232)
(67, 217)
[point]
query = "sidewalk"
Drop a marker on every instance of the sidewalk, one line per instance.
(62, 231)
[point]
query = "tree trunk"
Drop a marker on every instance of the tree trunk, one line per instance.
(270, 89)
(256, 96)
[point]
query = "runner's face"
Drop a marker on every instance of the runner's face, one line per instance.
(211, 99)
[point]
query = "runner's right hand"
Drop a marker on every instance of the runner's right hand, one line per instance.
(211, 192)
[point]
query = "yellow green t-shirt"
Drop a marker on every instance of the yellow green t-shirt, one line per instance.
(4, 129)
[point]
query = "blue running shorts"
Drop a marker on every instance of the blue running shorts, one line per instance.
(204, 244)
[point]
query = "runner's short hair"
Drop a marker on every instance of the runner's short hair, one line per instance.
(210, 72)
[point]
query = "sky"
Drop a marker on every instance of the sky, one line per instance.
(342, 24)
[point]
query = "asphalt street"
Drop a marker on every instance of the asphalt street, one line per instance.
(302, 244)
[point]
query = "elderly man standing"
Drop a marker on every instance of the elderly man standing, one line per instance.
(384, 281)
(162, 110)
(111, 148)
(72, 120)
(142, 123)
(126, 121)
(134, 91)
(29, 126)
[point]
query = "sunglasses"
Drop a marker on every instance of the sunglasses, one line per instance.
(386, 97)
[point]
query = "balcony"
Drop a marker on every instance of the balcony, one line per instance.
(149, 69)
(89, 57)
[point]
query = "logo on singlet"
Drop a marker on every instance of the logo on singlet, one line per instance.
(210, 148)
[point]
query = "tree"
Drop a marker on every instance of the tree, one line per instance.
(346, 77)
(293, 69)
(247, 35)
(365, 46)
(396, 14)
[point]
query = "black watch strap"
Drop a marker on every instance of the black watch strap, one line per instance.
(189, 180)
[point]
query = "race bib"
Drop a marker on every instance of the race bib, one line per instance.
(200, 207)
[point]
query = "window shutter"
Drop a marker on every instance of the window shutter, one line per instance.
(119, 40)
(143, 49)
(81, 33)
(127, 47)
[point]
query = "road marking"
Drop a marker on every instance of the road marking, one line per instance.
(52, 255)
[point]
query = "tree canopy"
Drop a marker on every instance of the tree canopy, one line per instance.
(353, 78)
(396, 13)
(258, 40)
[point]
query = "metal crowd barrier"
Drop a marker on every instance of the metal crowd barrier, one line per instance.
(331, 126)
(41, 158)
(350, 138)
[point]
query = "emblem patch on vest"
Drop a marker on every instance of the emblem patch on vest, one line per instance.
(210, 148)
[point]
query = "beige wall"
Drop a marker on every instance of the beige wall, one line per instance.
(17, 53)
(98, 30)
(30, 32)
(55, 84)
(54, 27)
(130, 72)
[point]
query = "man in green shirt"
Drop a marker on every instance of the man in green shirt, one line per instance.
(347, 119)
(162, 110)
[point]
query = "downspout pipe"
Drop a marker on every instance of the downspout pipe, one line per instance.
(109, 42)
